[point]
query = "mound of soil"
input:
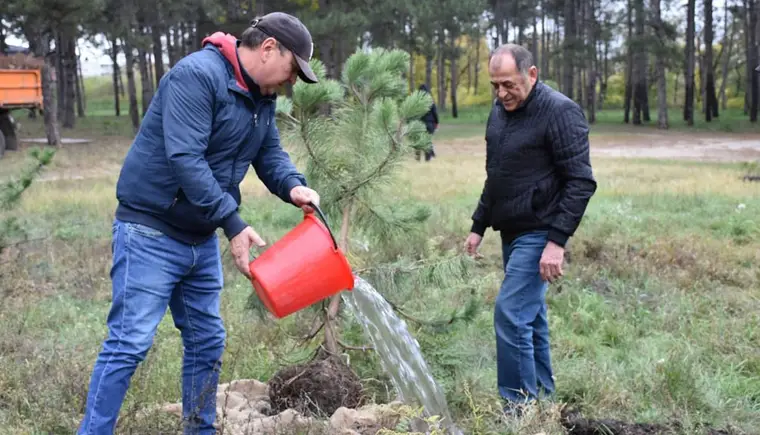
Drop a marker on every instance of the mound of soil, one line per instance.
(576, 424)
(317, 388)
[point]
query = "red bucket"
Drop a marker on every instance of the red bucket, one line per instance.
(304, 267)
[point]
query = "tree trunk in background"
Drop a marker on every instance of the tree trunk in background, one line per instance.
(40, 45)
(688, 107)
(158, 53)
(116, 73)
(69, 68)
(754, 88)
(730, 32)
(441, 72)
(134, 113)
(569, 52)
(628, 64)
(454, 81)
(662, 84)
(711, 101)
(477, 64)
(80, 88)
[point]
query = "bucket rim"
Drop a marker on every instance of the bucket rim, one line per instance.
(335, 248)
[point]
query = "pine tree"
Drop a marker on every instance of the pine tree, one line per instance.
(10, 195)
(355, 134)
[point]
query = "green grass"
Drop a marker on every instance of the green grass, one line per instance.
(657, 318)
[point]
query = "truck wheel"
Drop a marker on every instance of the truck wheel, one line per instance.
(7, 129)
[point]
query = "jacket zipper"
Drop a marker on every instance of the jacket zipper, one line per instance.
(234, 161)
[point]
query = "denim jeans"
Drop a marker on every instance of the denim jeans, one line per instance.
(151, 272)
(522, 331)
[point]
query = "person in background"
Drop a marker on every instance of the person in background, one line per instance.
(212, 117)
(431, 123)
(539, 182)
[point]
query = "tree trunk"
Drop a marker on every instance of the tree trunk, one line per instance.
(675, 88)
(454, 79)
(640, 91)
(753, 61)
(711, 102)
(177, 39)
(411, 70)
(60, 71)
(158, 53)
(477, 64)
(134, 113)
(688, 106)
(441, 72)
(70, 72)
(544, 43)
(50, 114)
(730, 31)
(79, 88)
(331, 338)
(591, 61)
(429, 72)
(116, 74)
(629, 64)
(147, 86)
(534, 43)
(558, 60)
(605, 74)
(746, 21)
(662, 84)
(568, 68)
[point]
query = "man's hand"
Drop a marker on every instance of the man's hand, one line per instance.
(302, 196)
(472, 243)
(240, 247)
(551, 262)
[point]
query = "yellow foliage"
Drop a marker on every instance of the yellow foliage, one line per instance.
(735, 102)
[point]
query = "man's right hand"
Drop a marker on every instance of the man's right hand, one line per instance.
(472, 244)
(240, 247)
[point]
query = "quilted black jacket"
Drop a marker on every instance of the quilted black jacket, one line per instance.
(538, 169)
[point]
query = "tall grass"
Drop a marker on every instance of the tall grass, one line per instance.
(657, 318)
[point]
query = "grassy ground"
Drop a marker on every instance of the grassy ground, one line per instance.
(657, 319)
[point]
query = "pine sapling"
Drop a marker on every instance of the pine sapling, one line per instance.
(354, 134)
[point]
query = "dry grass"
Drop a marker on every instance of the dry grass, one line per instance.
(657, 318)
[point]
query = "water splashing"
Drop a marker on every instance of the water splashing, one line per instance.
(399, 352)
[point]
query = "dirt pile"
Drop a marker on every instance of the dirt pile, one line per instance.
(317, 388)
(320, 397)
(576, 424)
(20, 61)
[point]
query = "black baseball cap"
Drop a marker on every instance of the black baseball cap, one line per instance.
(293, 35)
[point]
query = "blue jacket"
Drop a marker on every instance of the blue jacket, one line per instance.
(204, 127)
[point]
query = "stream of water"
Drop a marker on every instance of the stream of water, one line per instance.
(399, 352)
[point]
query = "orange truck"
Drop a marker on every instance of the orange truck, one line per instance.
(19, 89)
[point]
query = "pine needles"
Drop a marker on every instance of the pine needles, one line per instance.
(354, 135)
(11, 190)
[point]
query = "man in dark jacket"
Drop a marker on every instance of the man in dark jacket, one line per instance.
(539, 182)
(212, 117)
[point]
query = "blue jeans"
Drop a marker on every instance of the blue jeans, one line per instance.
(522, 330)
(151, 272)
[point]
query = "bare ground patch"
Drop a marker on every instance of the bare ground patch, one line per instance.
(628, 144)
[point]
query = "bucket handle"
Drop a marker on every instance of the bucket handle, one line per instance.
(324, 220)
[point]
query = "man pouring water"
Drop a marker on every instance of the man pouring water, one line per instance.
(538, 184)
(212, 118)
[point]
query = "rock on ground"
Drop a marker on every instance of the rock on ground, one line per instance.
(244, 408)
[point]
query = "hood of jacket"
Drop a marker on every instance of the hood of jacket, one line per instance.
(227, 45)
